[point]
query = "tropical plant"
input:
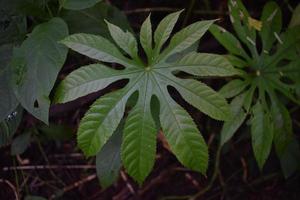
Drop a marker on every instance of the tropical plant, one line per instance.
(149, 83)
(269, 65)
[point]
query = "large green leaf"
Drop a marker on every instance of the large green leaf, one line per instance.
(233, 88)
(145, 92)
(77, 4)
(108, 160)
(261, 133)
(36, 65)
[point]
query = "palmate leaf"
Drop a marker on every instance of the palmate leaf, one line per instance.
(146, 81)
(266, 69)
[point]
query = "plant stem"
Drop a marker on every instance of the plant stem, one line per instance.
(189, 12)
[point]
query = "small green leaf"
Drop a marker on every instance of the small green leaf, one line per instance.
(125, 40)
(204, 64)
(233, 88)
(289, 160)
(228, 40)
(77, 4)
(238, 117)
(182, 135)
(261, 133)
(108, 160)
(271, 19)
(146, 37)
(164, 30)
(101, 121)
(96, 47)
(88, 79)
(203, 98)
(295, 20)
(186, 38)
(20, 144)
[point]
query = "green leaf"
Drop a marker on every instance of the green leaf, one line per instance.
(239, 18)
(228, 40)
(186, 38)
(20, 144)
(235, 61)
(108, 160)
(289, 160)
(91, 20)
(139, 139)
(164, 30)
(101, 121)
(146, 37)
(283, 130)
(262, 134)
(271, 25)
(295, 20)
(182, 135)
(125, 40)
(203, 98)
(233, 88)
(96, 47)
(238, 117)
(8, 101)
(146, 92)
(77, 4)
(204, 64)
(87, 80)
(36, 65)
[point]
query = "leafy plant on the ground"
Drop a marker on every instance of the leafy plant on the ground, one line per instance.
(266, 77)
(29, 65)
(148, 81)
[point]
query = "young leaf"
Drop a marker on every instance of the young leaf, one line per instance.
(36, 65)
(108, 160)
(261, 133)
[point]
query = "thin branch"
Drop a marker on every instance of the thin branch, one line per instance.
(47, 167)
(11, 186)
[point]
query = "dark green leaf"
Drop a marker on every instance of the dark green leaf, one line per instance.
(20, 143)
(36, 65)
(77, 4)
